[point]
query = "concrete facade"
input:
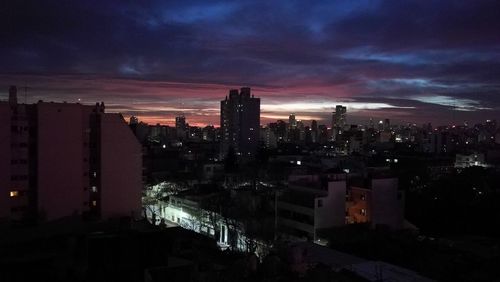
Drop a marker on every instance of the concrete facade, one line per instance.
(64, 159)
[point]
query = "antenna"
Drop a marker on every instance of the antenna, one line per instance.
(454, 110)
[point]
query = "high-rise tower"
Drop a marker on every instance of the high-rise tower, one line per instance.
(338, 121)
(240, 123)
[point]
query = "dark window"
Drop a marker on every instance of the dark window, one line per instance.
(320, 203)
(19, 177)
(18, 209)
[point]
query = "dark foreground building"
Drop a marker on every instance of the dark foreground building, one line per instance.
(240, 123)
(63, 159)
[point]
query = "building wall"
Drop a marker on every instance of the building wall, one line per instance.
(332, 210)
(121, 168)
(60, 160)
(240, 122)
(20, 156)
(250, 125)
(51, 156)
(230, 123)
(359, 205)
(387, 205)
(5, 153)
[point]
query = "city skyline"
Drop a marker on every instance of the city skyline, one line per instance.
(408, 61)
(249, 140)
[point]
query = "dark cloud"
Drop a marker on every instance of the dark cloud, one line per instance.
(393, 52)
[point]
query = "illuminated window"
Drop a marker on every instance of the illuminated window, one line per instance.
(14, 193)
(94, 203)
(363, 212)
(94, 189)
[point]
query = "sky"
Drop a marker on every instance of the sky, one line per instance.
(410, 61)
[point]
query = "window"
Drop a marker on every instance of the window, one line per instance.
(363, 197)
(363, 212)
(14, 193)
(94, 203)
(19, 177)
(320, 203)
(94, 189)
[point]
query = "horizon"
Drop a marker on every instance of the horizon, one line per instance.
(284, 110)
(270, 118)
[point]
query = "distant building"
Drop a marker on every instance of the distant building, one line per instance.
(469, 160)
(62, 159)
(292, 122)
(387, 124)
(269, 138)
(338, 121)
(240, 123)
(208, 133)
(314, 131)
(180, 126)
(339, 116)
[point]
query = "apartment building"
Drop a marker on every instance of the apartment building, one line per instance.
(314, 202)
(65, 159)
